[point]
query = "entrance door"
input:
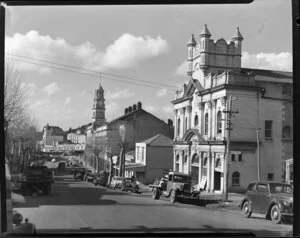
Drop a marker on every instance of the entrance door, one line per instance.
(195, 175)
(217, 182)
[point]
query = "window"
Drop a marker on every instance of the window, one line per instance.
(262, 188)
(178, 127)
(206, 124)
(218, 163)
(270, 176)
(196, 121)
(177, 158)
(143, 151)
(219, 123)
(235, 179)
(240, 157)
(268, 129)
(286, 132)
(251, 187)
(195, 159)
(185, 159)
(233, 157)
(186, 124)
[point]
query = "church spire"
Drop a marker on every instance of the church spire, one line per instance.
(237, 35)
(205, 32)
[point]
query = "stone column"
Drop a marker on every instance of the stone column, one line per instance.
(212, 171)
(201, 119)
(181, 116)
(209, 104)
(214, 118)
(175, 123)
(208, 171)
(200, 166)
(189, 114)
(223, 102)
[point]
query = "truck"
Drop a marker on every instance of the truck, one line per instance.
(37, 179)
(175, 186)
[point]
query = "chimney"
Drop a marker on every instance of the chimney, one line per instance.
(139, 105)
(129, 109)
(170, 123)
(126, 110)
(134, 107)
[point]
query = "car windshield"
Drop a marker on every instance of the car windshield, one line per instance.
(181, 179)
(281, 188)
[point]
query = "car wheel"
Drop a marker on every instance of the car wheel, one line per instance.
(247, 209)
(275, 214)
(173, 196)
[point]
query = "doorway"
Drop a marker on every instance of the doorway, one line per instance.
(217, 182)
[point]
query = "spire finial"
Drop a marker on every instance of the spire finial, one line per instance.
(237, 35)
(205, 32)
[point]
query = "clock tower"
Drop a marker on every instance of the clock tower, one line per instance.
(99, 108)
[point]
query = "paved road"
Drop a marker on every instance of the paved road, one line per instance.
(80, 206)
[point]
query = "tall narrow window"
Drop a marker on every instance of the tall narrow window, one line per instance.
(186, 124)
(268, 129)
(219, 123)
(236, 179)
(178, 127)
(206, 124)
(196, 121)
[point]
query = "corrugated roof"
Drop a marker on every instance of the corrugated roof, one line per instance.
(158, 140)
(269, 73)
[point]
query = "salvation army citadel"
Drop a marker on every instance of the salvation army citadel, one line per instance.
(263, 122)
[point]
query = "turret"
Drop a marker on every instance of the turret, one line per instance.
(191, 44)
(204, 47)
(237, 39)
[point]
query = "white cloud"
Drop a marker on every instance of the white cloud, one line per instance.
(51, 88)
(68, 100)
(124, 93)
(182, 69)
(129, 50)
(272, 61)
(40, 104)
(126, 51)
(162, 92)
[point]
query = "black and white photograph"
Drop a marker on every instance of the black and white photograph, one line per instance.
(149, 119)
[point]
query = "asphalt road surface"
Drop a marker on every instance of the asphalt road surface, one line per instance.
(82, 207)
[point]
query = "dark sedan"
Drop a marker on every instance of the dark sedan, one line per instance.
(274, 199)
(129, 184)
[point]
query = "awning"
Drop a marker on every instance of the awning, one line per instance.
(135, 167)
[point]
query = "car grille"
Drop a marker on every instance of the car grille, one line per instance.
(186, 187)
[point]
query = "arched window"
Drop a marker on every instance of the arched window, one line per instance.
(186, 124)
(206, 124)
(219, 122)
(177, 159)
(177, 164)
(218, 163)
(205, 162)
(195, 159)
(185, 159)
(236, 179)
(178, 127)
(286, 132)
(196, 120)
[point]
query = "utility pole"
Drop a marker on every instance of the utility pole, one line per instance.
(229, 113)
(258, 154)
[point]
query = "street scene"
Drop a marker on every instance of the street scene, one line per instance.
(115, 123)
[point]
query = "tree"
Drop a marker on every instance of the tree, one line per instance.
(14, 97)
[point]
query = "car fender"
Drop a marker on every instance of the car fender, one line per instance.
(243, 201)
(272, 203)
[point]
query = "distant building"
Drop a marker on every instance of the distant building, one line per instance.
(51, 135)
(152, 157)
(263, 101)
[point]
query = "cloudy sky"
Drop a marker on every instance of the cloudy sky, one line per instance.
(125, 47)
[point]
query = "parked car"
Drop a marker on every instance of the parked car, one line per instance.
(101, 179)
(116, 182)
(89, 176)
(274, 199)
(79, 173)
(130, 184)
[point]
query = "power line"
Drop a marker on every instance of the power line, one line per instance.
(97, 76)
(93, 71)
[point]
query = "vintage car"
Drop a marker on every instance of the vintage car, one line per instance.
(175, 185)
(101, 179)
(130, 184)
(79, 173)
(89, 176)
(116, 182)
(274, 199)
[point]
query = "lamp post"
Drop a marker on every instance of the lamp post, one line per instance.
(122, 130)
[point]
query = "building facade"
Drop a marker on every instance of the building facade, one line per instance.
(51, 135)
(201, 114)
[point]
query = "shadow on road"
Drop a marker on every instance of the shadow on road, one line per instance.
(207, 229)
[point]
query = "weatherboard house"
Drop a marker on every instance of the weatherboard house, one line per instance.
(218, 87)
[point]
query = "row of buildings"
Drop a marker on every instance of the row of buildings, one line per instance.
(261, 135)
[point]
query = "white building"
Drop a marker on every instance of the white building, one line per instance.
(262, 98)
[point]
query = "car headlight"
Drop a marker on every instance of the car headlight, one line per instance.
(286, 203)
